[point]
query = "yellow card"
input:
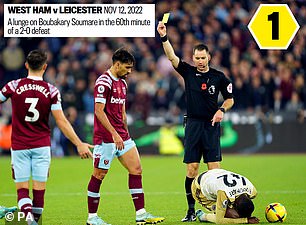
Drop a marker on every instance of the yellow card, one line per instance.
(166, 17)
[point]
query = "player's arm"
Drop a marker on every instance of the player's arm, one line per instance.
(102, 117)
(169, 51)
(124, 118)
(65, 126)
(221, 207)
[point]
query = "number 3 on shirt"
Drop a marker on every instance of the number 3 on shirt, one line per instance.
(32, 109)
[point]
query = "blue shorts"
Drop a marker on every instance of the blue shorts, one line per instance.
(105, 153)
(35, 162)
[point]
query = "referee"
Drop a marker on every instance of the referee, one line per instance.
(202, 132)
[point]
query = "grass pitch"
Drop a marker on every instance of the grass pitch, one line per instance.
(278, 178)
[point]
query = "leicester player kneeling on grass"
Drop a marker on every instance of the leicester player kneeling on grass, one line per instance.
(227, 195)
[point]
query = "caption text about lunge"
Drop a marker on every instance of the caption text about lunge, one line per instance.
(79, 20)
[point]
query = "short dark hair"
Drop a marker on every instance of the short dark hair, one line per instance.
(36, 59)
(200, 47)
(244, 206)
(123, 56)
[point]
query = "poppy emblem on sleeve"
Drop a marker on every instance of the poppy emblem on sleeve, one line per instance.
(106, 162)
(204, 86)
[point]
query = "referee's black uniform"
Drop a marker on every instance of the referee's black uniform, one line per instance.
(202, 90)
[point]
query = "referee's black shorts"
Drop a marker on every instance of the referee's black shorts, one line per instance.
(202, 140)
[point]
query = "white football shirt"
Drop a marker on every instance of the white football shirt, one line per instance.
(231, 183)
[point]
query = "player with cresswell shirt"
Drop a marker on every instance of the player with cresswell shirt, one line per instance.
(32, 101)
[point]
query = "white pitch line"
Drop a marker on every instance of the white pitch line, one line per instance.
(153, 193)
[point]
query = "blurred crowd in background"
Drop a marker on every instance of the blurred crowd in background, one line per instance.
(264, 80)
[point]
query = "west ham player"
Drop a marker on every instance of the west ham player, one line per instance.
(228, 195)
(32, 101)
(112, 139)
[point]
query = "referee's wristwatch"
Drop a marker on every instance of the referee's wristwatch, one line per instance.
(222, 109)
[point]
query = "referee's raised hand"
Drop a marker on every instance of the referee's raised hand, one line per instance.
(161, 29)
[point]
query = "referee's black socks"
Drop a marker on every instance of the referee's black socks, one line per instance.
(190, 199)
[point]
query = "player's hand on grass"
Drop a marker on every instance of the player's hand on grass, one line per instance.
(253, 220)
(84, 150)
(118, 141)
(161, 29)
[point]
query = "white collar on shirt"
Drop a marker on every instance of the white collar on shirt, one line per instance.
(34, 77)
(110, 73)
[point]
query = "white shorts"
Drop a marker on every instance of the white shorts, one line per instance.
(33, 162)
(105, 153)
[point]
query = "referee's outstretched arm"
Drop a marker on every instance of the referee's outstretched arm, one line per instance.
(169, 51)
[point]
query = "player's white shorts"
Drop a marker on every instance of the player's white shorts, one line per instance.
(35, 162)
(105, 153)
